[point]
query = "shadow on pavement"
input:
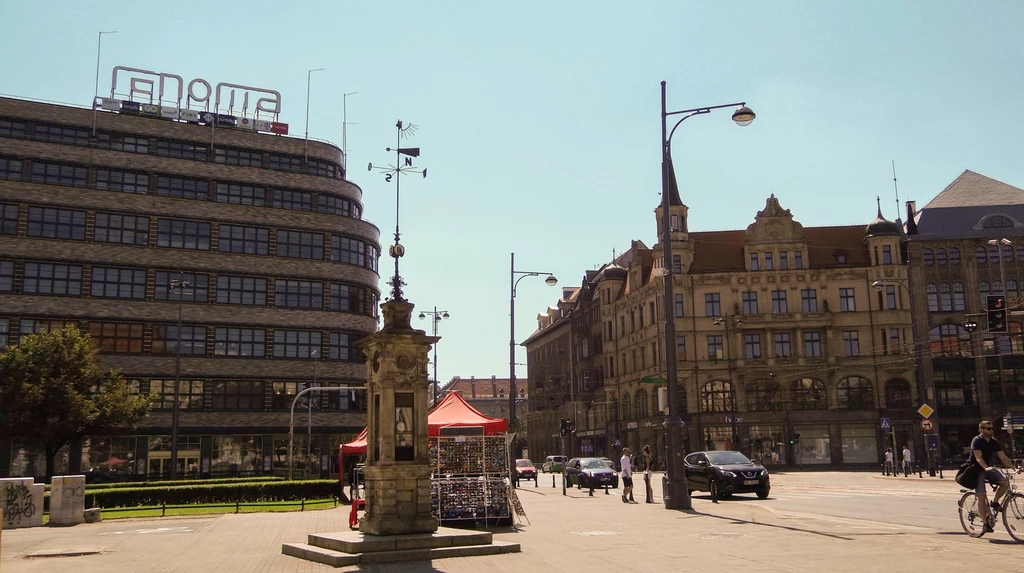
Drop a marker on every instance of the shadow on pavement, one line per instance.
(774, 526)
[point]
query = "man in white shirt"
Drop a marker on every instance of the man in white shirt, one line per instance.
(890, 465)
(627, 475)
(907, 465)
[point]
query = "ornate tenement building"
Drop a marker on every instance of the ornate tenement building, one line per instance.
(781, 331)
(96, 224)
(954, 268)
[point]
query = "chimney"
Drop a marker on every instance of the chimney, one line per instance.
(494, 386)
(911, 214)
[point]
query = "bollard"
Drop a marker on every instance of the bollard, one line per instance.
(591, 488)
(606, 490)
(552, 480)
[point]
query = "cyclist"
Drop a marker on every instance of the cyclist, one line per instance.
(987, 450)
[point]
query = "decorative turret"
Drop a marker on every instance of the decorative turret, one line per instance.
(881, 226)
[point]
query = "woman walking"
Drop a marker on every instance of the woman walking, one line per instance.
(648, 463)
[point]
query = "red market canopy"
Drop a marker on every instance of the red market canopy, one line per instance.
(452, 411)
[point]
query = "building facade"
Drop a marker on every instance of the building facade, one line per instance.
(101, 213)
(489, 395)
(791, 343)
(965, 245)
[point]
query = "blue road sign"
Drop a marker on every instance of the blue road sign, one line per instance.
(886, 423)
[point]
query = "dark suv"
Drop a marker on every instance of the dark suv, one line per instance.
(726, 473)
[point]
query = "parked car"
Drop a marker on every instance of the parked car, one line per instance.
(587, 472)
(726, 473)
(525, 471)
(554, 464)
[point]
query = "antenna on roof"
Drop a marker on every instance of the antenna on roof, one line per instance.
(896, 188)
(613, 254)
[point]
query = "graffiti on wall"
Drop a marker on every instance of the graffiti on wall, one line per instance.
(18, 502)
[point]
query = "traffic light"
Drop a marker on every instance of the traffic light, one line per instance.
(566, 426)
(996, 311)
(795, 439)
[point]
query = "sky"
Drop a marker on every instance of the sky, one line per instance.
(539, 123)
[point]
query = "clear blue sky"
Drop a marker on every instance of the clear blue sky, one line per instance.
(539, 124)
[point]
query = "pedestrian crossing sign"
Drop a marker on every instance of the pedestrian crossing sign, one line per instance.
(886, 423)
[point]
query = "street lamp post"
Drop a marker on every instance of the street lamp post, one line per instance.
(177, 285)
(513, 282)
(1001, 244)
(309, 78)
(436, 315)
(725, 321)
(674, 485)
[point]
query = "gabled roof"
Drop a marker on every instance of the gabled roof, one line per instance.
(973, 190)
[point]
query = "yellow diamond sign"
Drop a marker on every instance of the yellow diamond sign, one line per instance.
(926, 410)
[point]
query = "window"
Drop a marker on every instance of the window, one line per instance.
(190, 394)
(851, 343)
(749, 302)
(339, 346)
(716, 350)
(681, 347)
(894, 340)
(712, 304)
(58, 174)
(940, 257)
(753, 262)
(997, 222)
(809, 394)
(779, 303)
(5, 332)
(300, 245)
(197, 291)
(855, 393)
(285, 163)
(764, 395)
(809, 300)
(1007, 253)
(954, 256)
(932, 294)
(119, 283)
(346, 250)
(812, 344)
(981, 254)
(784, 260)
(177, 234)
(679, 306)
(840, 256)
(752, 346)
(1020, 254)
(897, 394)
(798, 259)
(183, 188)
(61, 134)
(782, 347)
(245, 240)
(48, 278)
(890, 297)
(993, 254)
(124, 229)
(294, 200)
(124, 181)
(344, 298)
(949, 339)
(241, 290)
(323, 168)
(8, 219)
(117, 337)
(847, 300)
(239, 342)
(56, 223)
(958, 296)
(295, 343)
(298, 294)
(192, 340)
(12, 128)
(10, 169)
(182, 150)
(243, 157)
(241, 194)
(28, 326)
(717, 396)
(945, 298)
(887, 254)
(334, 206)
(6, 276)
(119, 142)
(677, 264)
(238, 395)
(983, 288)
(769, 264)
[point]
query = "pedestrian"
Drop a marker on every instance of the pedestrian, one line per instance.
(647, 464)
(907, 467)
(627, 476)
(890, 463)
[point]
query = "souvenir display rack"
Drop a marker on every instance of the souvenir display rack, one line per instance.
(471, 478)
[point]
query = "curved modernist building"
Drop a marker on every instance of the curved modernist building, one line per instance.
(97, 224)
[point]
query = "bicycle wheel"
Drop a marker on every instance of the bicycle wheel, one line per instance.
(1013, 516)
(970, 519)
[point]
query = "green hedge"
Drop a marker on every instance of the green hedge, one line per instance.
(170, 483)
(213, 493)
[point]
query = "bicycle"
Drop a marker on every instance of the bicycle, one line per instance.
(1011, 508)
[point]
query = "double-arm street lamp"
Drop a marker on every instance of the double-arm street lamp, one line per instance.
(513, 282)
(179, 288)
(674, 485)
(437, 316)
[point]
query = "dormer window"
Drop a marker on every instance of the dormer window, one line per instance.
(754, 262)
(674, 225)
(997, 222)
(887, 254)
(840, 256)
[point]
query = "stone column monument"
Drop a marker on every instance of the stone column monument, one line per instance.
(397, 463)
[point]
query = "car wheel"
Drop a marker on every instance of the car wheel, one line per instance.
(762, 494)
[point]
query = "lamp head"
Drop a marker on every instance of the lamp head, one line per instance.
(551, 280)
(1006, 241)
(445, 315)
(877, 285)
(743, 116)
(422, 316)
(970, 325)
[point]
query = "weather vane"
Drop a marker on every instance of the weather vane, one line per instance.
(401, 166)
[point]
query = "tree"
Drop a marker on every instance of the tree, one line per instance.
(53, 389)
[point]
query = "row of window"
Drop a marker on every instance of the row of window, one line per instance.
(141, 230)
(130, 283)
(192, 340)
(248, 395)
(990, 255)
(769, 260)
(180, 187)
(145, 144)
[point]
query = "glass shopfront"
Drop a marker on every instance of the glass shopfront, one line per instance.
(236, 455)
(814, 447)
(860, 444)
(717, 438)
(768, 444)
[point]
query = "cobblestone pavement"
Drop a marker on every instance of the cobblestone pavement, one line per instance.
(575, 531)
